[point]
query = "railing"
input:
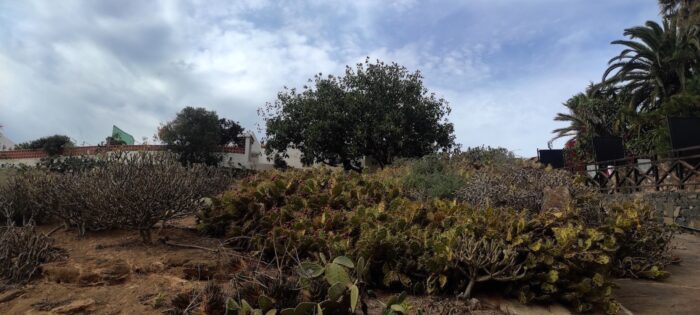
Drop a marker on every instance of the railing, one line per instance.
(92, 150)
(635, 174)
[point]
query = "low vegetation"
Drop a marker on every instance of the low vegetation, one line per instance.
(196, 135)
(449, 224)
(427, 243)
(52, 145)
(123, 191)
(22, 251)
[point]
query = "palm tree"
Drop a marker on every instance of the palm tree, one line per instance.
(686, 13)
(594, 113)
(654, 65)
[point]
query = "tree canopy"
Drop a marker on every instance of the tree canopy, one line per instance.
(197, 135)
(380, 111)
(52, 145)
(653, 77)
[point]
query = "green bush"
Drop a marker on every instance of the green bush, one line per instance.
(431, 177)
(52, 145)
(308, 209)
(441, 246)
(70, 164)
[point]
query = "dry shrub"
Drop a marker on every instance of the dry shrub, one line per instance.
(518, 186)
(22, 251)
(21, 198)
(210, 300)
(140, 190)
(128, 191)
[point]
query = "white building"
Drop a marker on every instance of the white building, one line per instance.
(256, 159)
(5, 143)
(251, 156)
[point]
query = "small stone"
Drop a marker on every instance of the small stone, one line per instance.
(116, 273)
(89, 279)
(61, 274)
(75, 307)
(556, 198)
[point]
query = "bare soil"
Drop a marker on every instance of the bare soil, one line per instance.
(113, 272)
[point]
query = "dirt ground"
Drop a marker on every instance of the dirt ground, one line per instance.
(114, 273)
(156, 274)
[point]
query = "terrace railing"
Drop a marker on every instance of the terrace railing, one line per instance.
(681, 171)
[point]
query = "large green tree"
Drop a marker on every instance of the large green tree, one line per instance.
(655, 64)
(380, 111)
(197, 135)
(53, 145)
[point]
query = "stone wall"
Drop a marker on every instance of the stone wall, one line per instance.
(680, 207)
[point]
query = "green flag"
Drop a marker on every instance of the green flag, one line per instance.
(120, 134)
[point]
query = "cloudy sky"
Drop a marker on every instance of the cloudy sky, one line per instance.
(505, 66)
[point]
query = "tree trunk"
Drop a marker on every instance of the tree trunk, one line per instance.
(145, 235)
(82, 230)
(468, 292)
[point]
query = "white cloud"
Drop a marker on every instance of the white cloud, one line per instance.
(77, 67)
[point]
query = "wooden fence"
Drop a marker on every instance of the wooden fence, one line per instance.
(639, 174)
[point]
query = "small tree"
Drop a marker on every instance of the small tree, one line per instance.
(52, 145)
(196, 134)
(114, 141)
(378, 110)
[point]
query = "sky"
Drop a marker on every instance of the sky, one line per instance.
(505, 66)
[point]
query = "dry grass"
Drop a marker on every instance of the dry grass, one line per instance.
(5, 174)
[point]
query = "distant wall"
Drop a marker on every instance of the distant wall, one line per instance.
(250, 156)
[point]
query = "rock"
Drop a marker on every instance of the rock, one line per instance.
(556, 198)
(61, 274)
(89, 279)
(84, 305)
(115, 273)
(10, 295)
(474, 304)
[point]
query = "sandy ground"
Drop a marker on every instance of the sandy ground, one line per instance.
(157, 272)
